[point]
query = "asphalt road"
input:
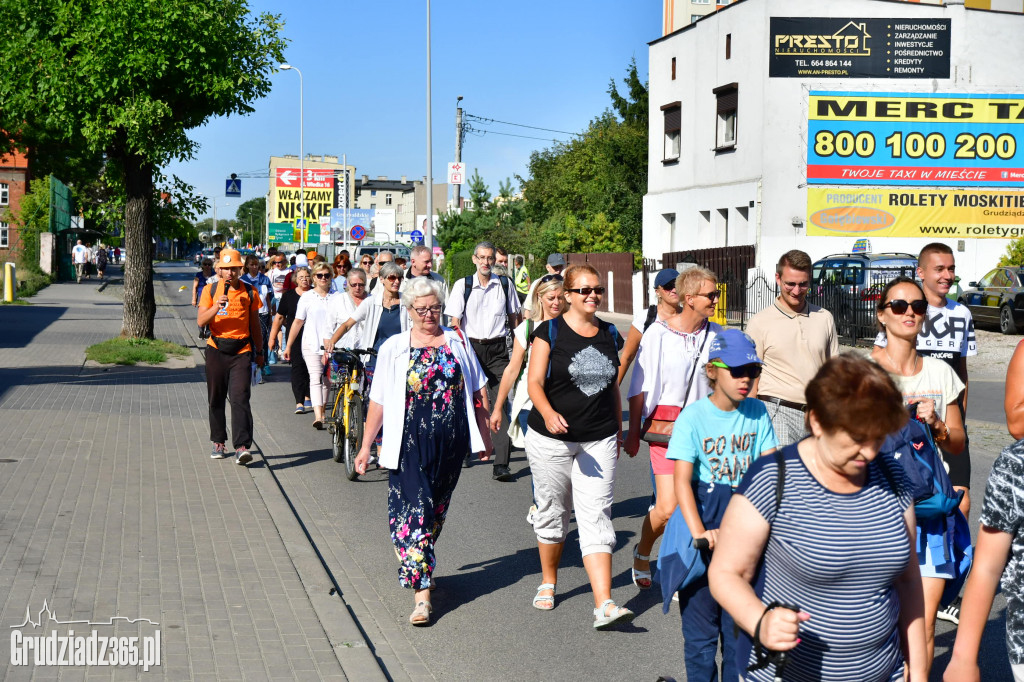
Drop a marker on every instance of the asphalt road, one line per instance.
(484, 624)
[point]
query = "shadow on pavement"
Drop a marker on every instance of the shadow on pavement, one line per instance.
(75, 375)
(22, 323)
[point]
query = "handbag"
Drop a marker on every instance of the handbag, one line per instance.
(657, 427)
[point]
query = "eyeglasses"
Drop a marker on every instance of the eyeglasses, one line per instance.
(711, 295)
(750, 371)
(422, 312)
(357, 284)
(392, 278)
(366, 263)
(551, 278)
(586, 291)
(797, 285)
(321, 275)
(899, 306)
(669, 285)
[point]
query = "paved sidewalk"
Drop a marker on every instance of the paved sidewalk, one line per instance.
(110, 507)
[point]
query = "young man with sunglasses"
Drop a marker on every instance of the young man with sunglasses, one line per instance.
(486, 315)
(947, 335)
(794, 339)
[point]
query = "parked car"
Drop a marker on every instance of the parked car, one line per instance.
(849, 285)
(400, 251)
(997, 299)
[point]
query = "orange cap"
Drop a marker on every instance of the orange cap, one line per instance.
(229, 258)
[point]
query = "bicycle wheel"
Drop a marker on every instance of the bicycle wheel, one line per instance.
(354, 436)
(337, 442)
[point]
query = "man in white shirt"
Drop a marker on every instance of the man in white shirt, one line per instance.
(486, 314)
(80, 257)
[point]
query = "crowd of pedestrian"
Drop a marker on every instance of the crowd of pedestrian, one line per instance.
(794, 531)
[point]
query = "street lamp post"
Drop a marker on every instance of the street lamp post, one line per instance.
(428, 232)
(302, 158)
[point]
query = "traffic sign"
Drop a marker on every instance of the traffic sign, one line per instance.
(233, 187)
(416, 236)
(358, 232)
(456, 173)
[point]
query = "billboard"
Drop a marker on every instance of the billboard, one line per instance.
(894, 212)
(827, 47)
(318, 193)
(938, 140)
(340, 231)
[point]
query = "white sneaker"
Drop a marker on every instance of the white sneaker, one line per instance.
(243, 456)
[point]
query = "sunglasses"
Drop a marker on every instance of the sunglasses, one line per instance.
(749, 371)
(357, 284)
(392, 278)
(711, 295)
(899, 306)
(551, 278)
(669, 286)
(422, 312)
(586, 291)
(321, 275)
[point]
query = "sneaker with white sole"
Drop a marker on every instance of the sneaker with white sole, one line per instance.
(218, 451)
(951, 613)
(243, 456)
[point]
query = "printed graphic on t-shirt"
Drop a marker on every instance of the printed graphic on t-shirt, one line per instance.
(946, 332)
(729, 456)
(591, 371)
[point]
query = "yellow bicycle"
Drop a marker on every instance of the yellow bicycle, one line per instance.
(346, 378)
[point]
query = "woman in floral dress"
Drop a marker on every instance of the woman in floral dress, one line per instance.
(435, 392)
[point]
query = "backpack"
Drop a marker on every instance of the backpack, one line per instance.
(652, 315)
(468, 289)
(553, 335)
(913, 447)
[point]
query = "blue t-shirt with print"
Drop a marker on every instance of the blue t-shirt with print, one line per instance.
(721, 444)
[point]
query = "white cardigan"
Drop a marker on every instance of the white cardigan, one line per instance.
(369, 313)
(388, 390)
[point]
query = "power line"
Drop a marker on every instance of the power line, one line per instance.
(495, 132)
(520, 125)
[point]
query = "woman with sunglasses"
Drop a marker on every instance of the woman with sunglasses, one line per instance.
(423, 396)
(344, 306)
(548, 303)
(381, 315)
(669, 375)
(284, 318)
(667, 305)
(312, 314)
(934, 387)
(573, 440)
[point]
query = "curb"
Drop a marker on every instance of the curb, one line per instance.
(348, 640)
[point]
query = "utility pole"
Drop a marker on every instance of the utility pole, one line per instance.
(458, 151)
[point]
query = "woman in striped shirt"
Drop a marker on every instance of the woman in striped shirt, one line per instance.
(827, 573)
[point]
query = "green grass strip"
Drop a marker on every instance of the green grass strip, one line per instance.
(126, 351)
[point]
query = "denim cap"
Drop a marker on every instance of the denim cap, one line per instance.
(556, 259)
(734, 349)
(664, 277)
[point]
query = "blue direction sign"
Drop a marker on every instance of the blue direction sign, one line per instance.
(357, 232)
(233, 187)
(416, 236)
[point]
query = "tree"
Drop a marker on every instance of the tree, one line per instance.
(127, 80)
(1014, 255)
(252, 215)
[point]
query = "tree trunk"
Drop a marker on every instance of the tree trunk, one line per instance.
(139, 301)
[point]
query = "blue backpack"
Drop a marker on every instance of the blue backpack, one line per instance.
(553, 324)
(913, 447)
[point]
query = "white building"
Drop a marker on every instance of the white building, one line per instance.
(729, 143)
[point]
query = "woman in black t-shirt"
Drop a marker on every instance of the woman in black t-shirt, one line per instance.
(573, 440)
(285, 316)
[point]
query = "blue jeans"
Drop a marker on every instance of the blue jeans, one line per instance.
(704, 621)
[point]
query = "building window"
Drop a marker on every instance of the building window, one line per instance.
(727, 97)
(672, 115)
(373, 192)
(387, 199)
(4, 235)
(373, 206)
(728, 46)
(673, 68)
(701, 2)
(5, 191)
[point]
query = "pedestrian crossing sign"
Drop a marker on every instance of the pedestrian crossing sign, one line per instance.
(233, 187)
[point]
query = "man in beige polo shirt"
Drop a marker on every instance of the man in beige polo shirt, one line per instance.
(794, 339)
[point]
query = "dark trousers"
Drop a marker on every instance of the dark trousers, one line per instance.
(494, 359)
(228, 378)
(300, 373)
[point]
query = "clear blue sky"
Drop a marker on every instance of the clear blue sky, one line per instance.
(543, 63)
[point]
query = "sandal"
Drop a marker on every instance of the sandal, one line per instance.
(619, 614)
(642, 579)
(421, 614)
(318, 424)
(540, 598)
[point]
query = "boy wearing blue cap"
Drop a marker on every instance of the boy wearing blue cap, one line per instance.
(720, 435)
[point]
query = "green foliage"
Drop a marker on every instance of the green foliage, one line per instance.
(458, 265)
(252, 214)
(30, 282)
(130, 351)
(31, 219)
(1014, 253)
